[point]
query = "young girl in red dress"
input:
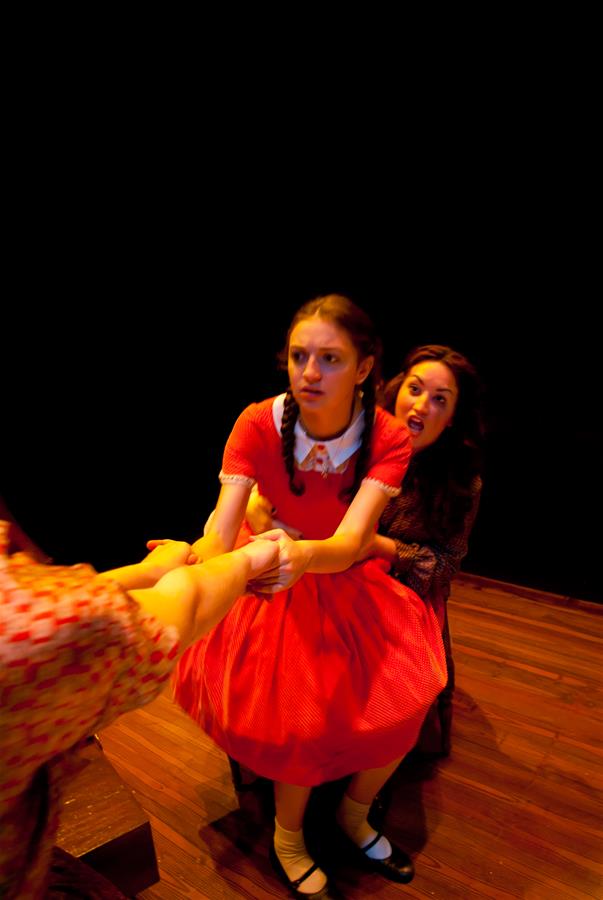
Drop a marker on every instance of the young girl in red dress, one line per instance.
(306, 689)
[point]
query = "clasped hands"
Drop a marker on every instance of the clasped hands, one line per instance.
(277, 561)
(289, 566)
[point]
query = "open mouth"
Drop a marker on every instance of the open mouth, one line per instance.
(415, 425)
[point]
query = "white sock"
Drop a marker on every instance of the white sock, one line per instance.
(351, 815)
(291, 850)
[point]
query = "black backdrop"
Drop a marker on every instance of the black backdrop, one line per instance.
(125, 369)
(142, 202)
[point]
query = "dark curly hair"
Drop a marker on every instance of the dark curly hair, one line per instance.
(444, 472)
(358, 326)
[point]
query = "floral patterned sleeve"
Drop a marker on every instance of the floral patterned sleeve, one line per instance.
(76, 651)
(427, 566)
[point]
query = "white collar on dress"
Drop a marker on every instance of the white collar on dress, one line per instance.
(338, 449)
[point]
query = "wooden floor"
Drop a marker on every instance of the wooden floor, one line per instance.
(516, 811)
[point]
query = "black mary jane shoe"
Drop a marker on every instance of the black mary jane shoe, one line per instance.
(293, 886)
(396, 867)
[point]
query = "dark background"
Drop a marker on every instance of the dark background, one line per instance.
(155, 252)
(126, 382)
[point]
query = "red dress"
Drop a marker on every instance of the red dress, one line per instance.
(334, 675)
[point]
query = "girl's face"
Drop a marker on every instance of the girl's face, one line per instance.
(324, 370)
(426, 402)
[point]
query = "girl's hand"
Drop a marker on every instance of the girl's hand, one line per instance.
(292, 562)
(263, 556)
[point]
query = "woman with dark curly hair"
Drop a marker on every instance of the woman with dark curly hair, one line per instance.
(423, 533)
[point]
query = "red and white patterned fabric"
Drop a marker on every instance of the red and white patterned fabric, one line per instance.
(75, 652)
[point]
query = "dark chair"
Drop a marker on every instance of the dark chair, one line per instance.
(434, 737)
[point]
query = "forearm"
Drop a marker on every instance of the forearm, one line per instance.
(219, 583)
(408, 562)
(384, 548)
(335, 554)
(223, 526)
(431, 566)
(137, 575)
(426, 567)
(195, 598)
(210, 545)
(355, 530)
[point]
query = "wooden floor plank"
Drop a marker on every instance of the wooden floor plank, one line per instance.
(515, 811)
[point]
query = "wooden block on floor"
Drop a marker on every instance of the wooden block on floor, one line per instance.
(103, 824)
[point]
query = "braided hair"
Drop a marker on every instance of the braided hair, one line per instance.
(356, 323)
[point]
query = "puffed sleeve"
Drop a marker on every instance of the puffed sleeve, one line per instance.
(390, 455)
(243, 448)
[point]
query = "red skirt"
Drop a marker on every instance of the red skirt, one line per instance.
(333, 676)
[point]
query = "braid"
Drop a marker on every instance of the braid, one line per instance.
(368, 402)
(290, 414)
(356, 324)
